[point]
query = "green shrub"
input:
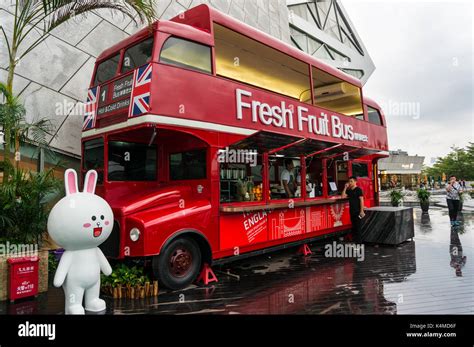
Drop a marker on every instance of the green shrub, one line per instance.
(396, 196)
(52, 263)
(25, 204)
(423, 195)
(123, 275)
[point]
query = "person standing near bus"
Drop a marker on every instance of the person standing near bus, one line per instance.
(453, 196)
(356, 205)
(287, 179)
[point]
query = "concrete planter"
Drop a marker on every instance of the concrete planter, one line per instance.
(425, 206)
(43, 274)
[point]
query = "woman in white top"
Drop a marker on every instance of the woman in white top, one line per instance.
(453, 198)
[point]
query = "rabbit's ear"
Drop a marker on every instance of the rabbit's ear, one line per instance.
(70, 181)
(90, 181)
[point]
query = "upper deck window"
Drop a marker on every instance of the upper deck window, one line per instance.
(249, 61)
(374, 116)
(334, 94)
(186, 54)
(107, 69)
(137, 55)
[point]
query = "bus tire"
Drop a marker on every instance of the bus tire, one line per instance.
(178, 265)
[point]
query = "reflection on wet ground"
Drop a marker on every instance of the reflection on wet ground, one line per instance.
(431, 275)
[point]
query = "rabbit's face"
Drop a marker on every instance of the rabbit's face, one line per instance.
(80, 220)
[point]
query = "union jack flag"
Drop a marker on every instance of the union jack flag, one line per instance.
(91, 109)
(140, 97)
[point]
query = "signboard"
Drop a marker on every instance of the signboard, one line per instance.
(23, 277)
(244, 229)
(130, 94)
(298, 118)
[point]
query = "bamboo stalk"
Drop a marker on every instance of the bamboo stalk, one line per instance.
(147, 288)
(155, 288)
(137, 292)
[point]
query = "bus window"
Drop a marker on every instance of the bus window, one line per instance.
(336, 95)
(107, 69)
(360, 170)
(337, 176)
(243, 180)
(286, 182)
(314, 177)
(374, 116)
(137, 55)
(243, 59)
(190, 165)
(186, 54)
(94, 157)
(129, 161)
(94, 154)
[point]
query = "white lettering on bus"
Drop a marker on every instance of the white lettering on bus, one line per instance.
(254, 219)
(281, 116)
(341, 130)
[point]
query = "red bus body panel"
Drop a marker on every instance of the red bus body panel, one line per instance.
(204, 107)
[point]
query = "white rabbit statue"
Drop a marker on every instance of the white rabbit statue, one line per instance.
(79, 223)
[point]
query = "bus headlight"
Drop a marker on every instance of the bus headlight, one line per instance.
(134, 234)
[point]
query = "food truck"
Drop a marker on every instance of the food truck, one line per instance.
(214, 141)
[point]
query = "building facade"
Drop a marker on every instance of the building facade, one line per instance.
(52, 80)
(400, 170)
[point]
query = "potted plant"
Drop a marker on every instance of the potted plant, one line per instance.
(423, 197)
(128, 282)
(396, 197)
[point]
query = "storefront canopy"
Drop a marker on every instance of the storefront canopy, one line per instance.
(305, 148)
(292, 146)
(265, 141)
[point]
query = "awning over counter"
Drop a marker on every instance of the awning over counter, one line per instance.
(265, 141)
(306, 148)
(292, 146)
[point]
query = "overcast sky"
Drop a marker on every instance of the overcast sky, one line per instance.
(423, 53)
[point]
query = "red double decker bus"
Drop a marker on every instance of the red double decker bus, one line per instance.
(214, 141)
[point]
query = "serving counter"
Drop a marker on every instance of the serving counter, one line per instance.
(252, 207)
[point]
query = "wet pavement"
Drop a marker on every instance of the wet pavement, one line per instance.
(433, 274)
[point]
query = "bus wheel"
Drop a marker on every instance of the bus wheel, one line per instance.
(178, 264)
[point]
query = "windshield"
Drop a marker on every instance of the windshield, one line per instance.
(129, 161)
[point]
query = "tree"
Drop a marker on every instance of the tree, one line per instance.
(17, 128)
(459, 162)
(43, 16)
